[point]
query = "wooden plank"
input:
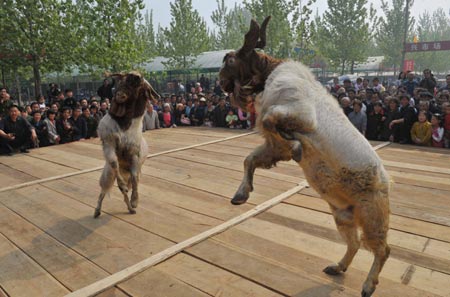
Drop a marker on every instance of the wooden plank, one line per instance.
(400, 223)
(141, 266)
(100, 167)
(198, 274)
(394, 269)
(156, 283)
(404, 246)
(113, 292)
(260, 249)
(10, 176)
(109, 242)
(17, 268)
(67, 266)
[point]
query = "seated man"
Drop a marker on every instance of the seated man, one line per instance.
(18, 134)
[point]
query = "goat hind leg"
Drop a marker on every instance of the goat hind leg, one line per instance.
(374, 221)
(346, 226)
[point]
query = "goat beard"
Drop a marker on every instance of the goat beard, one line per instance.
(242, 95)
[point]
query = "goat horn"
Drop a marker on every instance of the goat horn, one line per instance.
(251, 38)
(262, 33)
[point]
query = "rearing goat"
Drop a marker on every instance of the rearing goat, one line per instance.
(300, 120)
(120, 130)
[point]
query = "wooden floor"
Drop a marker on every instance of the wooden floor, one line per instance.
(50, 245)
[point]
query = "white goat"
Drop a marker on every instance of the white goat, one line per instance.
(300, 120)
(120, 130)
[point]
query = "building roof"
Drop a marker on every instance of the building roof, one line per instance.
(206, 60)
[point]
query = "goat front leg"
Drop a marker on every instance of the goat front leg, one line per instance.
(263, 156)
(134, 170)
(111, 158)
(106, 183)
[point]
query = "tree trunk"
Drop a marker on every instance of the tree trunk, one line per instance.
(352, 66)
(19, 93)
(343, 67)
(37, 77)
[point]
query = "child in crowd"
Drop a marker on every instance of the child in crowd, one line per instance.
(446, 109)
(437, 131)
(231, 119)
(167, 118)
(421, 130)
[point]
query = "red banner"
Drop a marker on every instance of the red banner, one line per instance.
(427, 46)
(408, 65)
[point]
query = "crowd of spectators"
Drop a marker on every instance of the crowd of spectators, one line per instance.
(410, 111)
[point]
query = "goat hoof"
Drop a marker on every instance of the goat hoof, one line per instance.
(333, 270)
(132, 211)
(239, 198)
(97, 213)
(123, 189)
(368, 289)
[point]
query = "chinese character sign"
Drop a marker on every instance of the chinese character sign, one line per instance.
(427, 46)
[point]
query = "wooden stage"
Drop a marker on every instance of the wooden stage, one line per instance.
(50, 245)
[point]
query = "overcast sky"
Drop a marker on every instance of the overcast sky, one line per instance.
(161, 8)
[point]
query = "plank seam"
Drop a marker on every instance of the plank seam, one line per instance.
(129, 272)
(36, 262)
(43, 180)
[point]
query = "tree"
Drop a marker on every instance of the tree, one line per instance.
(146, 35)
(280, 37)
(231, 26)
(433, 27)
(390, 32)
(109, 39)
(34, 34)
(302, 26)
(187, 36)
(345, 32)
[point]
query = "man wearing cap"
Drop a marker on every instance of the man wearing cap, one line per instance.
(198, 113)
(404, 124)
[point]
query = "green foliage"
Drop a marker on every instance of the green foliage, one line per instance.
(432, 27)
(147, 38)
(34, 35)
(344, 32)
(280, 38)
(186, 37)
(109, 37)
(231, 26)
(390, 33)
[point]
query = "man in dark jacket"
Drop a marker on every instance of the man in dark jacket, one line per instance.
(220, 113)
(64, 127)
(408, 117)
(18, 132)
(70, 101)
(79, 125)
(105, 90)
(428, 82)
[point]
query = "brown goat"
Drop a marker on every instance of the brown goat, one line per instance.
(120, 130)
(300, 120)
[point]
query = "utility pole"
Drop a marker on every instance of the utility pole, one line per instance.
(408, 5)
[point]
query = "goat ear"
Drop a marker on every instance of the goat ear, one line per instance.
(262, 33)
(251, 39)
(134, 79)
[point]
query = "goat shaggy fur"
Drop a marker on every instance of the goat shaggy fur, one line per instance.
(120, 130)
(300, 120)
